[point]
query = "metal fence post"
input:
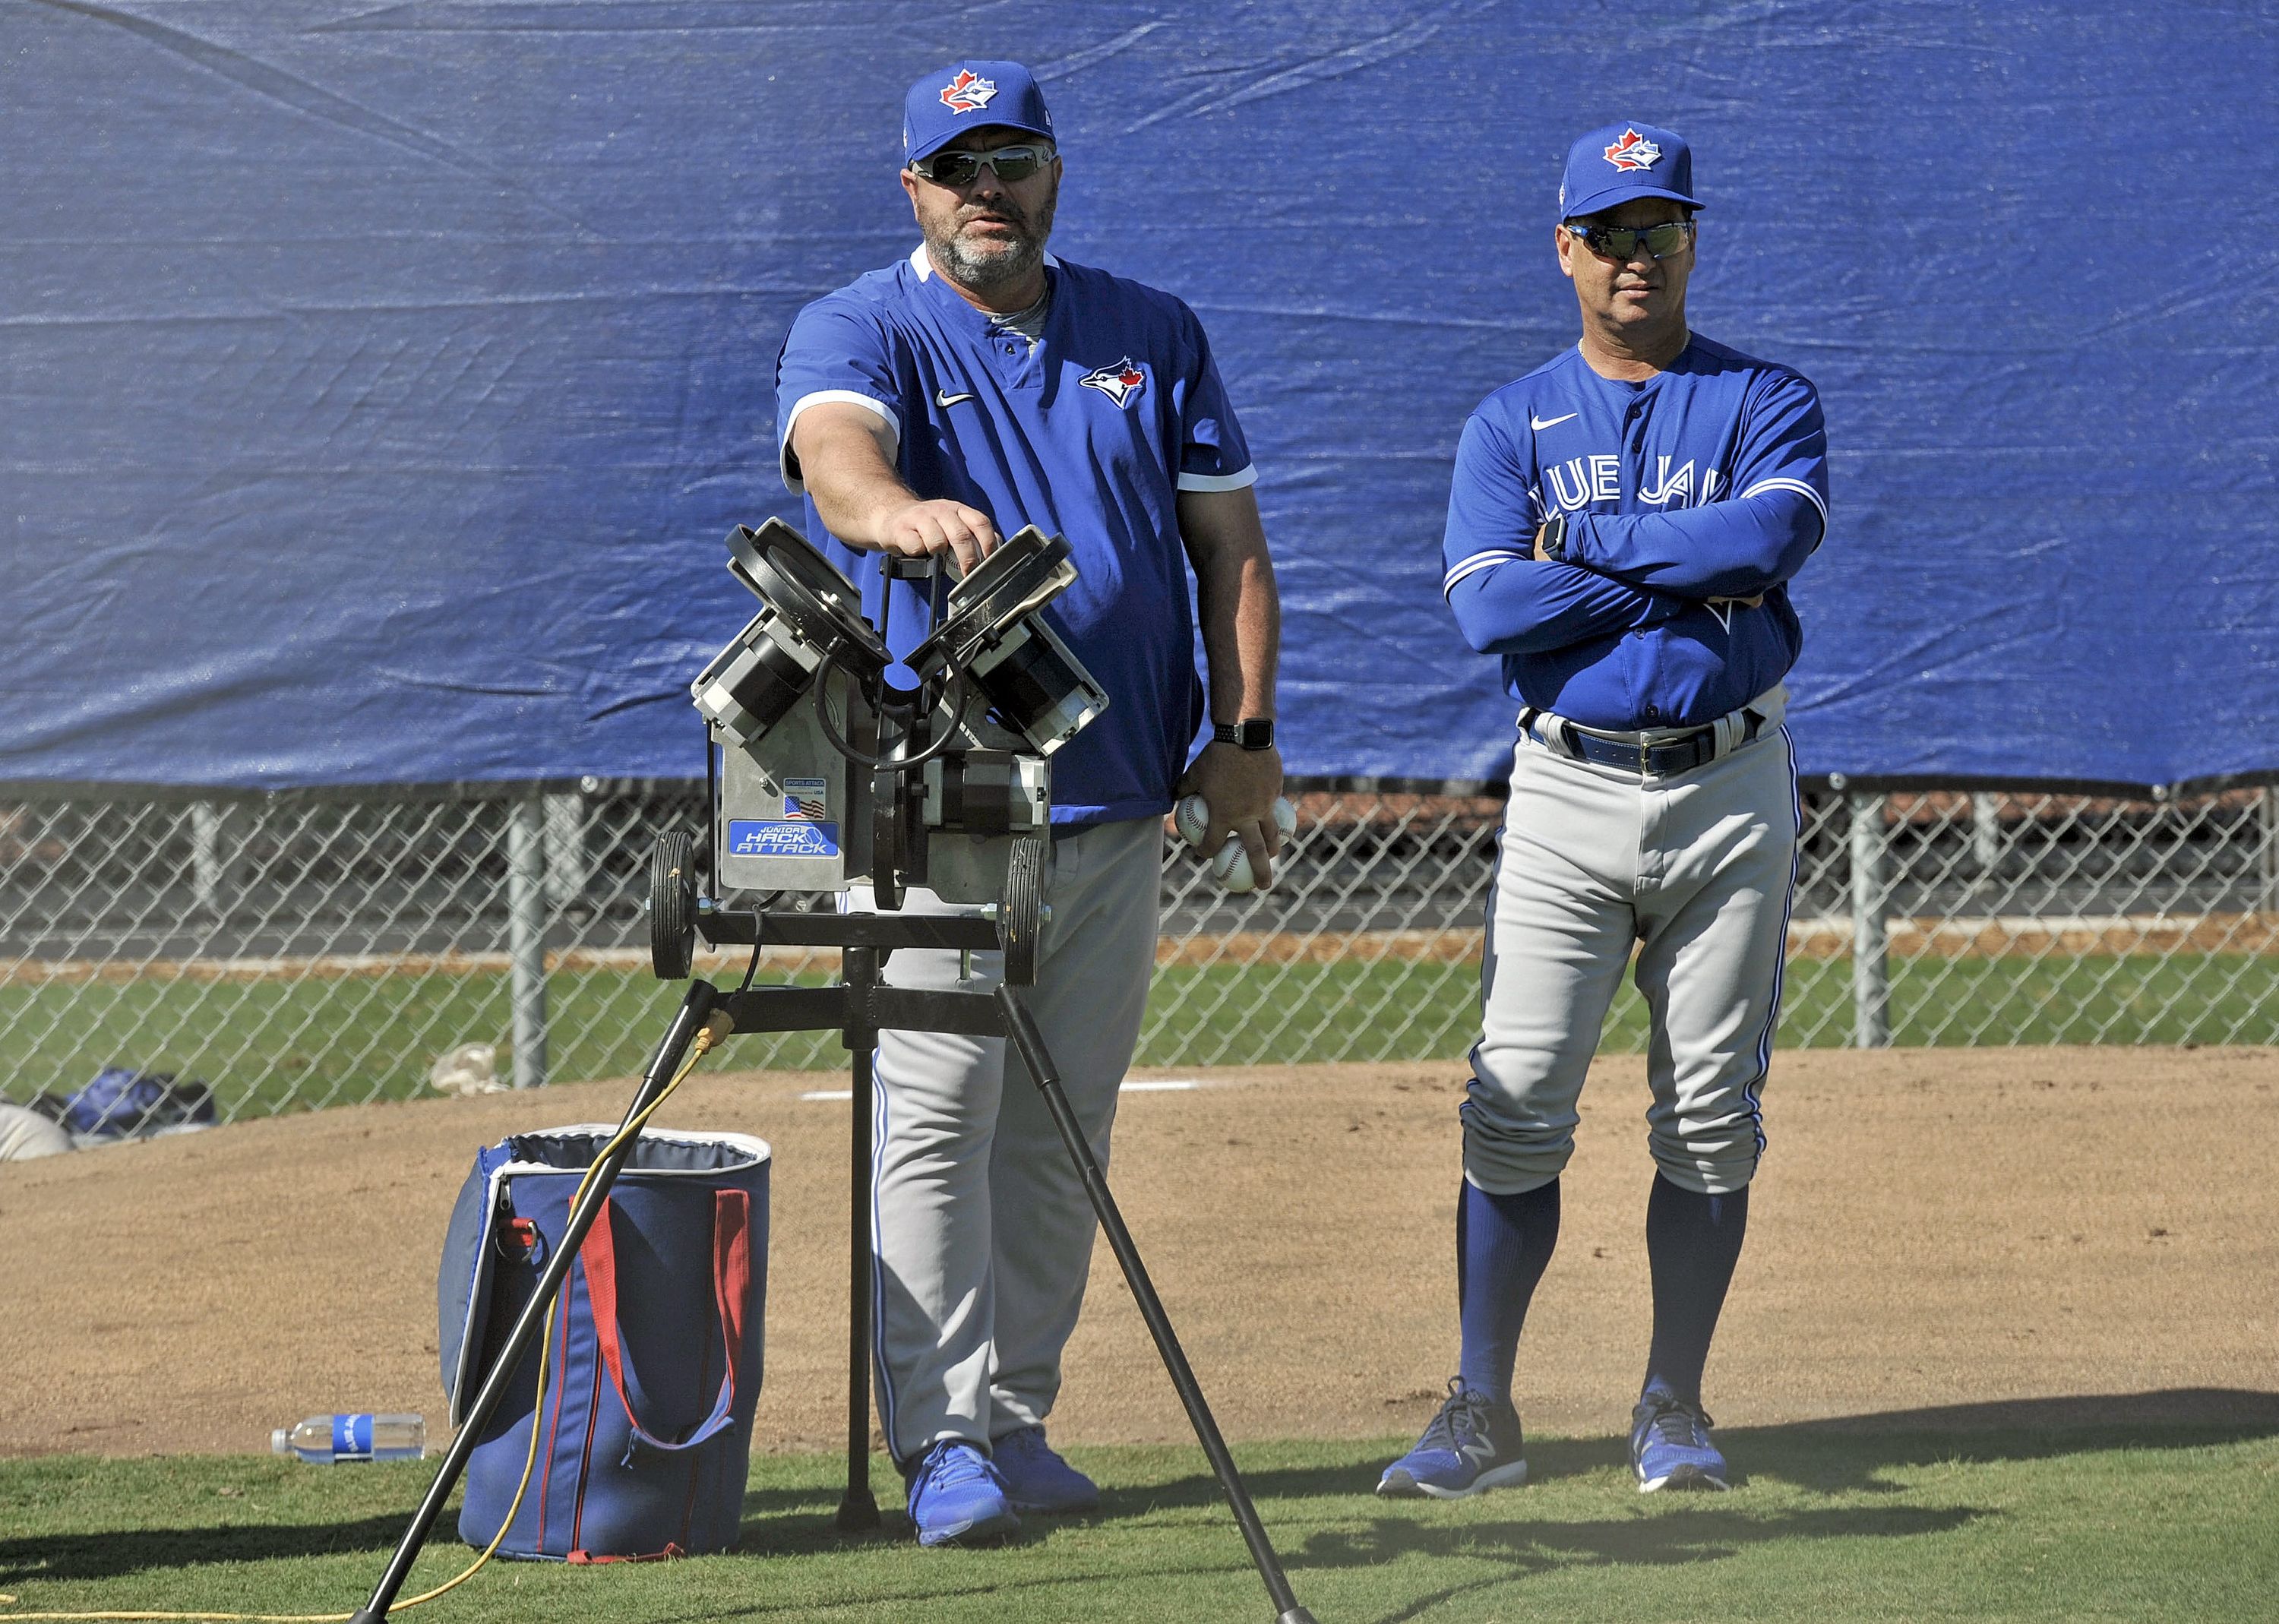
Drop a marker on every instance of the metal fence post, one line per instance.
(1871, 985)
(567, 868)
(1987, 831)
(209, 867)
(2268, 899)
(525, 908)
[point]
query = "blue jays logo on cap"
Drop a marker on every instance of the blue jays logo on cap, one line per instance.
(968, 96)
(969, 92)
(1632, 150)
(1617, 162)
(1120, 381)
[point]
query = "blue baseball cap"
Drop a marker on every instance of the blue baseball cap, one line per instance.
(1611, 166)
(965, 96)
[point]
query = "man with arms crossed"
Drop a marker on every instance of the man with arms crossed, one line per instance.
(1623, 525)
(934, 407)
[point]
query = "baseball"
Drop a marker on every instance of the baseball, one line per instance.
(1231, 867)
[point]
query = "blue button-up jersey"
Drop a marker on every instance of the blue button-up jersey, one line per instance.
(1090, 434)
(1705, 485)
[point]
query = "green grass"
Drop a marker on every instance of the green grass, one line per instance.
(2159, 1521)
(269, 1044)
(1354, 1010)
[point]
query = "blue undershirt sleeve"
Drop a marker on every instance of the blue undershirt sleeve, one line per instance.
(1740, 544)
(1507, 600)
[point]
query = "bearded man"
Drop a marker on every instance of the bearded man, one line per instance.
(933, 407)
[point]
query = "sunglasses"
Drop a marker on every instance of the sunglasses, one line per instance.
(1622, 241)
(1008, 164)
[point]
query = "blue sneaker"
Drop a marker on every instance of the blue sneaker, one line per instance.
(1472, 1445)
(1671, 1446)
(956, 1498)
(1037, 1478)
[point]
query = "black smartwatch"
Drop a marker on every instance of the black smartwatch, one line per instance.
(1554, 539)
(1251, 733)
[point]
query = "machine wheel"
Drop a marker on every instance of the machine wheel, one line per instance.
(673, 905)
(887, 858)
(1021, 916)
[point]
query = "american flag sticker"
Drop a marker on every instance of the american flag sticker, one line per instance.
(808, 798)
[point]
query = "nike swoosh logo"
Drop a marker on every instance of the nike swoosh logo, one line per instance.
(941, 399)
(1540, 424)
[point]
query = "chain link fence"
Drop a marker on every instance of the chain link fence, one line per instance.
(299, 951)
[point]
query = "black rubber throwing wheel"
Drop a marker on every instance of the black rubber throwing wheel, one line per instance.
(887, 857)
(673, 905)
(1021, 916)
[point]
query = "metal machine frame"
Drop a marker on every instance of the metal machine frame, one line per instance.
(884, 744)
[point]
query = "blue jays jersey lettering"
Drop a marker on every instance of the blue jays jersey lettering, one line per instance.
(1704, 485)
(1090, 432)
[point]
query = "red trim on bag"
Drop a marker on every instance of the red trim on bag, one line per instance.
(732, 1284)
(731, 1257)
(586, 1559)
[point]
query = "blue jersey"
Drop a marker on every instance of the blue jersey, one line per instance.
(1708, 481)
(1089, 434)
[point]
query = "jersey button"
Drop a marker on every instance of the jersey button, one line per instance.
(1653, 714)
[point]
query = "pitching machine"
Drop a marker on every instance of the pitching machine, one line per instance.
(832, 780)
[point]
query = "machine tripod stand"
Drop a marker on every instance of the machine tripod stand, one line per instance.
(858, 1009)
(838, 776)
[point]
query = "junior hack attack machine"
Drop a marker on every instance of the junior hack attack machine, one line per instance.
(834, 781)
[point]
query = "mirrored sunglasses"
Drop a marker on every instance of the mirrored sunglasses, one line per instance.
(1622, 241)
(1008, 164)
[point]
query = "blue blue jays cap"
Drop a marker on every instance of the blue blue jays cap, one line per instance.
(1612, 166)
(965, 96)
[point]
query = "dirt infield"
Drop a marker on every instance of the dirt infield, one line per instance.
(1932, 1228)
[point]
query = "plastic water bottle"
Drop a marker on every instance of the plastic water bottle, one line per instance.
(327, 1439)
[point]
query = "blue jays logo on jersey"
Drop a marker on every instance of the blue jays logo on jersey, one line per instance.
(1632, 151)
(969, 92)
(1120, 381)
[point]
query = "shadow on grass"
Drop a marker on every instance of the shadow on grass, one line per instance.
(1516, 1548)
(111, 1555)
(1707, 1532)
(1841, 1454)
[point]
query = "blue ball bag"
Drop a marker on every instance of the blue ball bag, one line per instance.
(645, 1430)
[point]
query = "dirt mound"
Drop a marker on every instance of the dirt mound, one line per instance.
(1932, 1228)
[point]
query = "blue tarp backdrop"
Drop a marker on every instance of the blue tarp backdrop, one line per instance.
(377, 381)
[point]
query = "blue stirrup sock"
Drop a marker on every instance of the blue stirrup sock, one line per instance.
(1502, 1243)
(1692, 1245)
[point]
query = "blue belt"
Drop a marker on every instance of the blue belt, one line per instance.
(1664, 758)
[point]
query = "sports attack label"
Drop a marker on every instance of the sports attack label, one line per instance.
(753, 837)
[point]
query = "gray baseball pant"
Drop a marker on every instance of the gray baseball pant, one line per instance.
(983, 1231)
(1695, 870)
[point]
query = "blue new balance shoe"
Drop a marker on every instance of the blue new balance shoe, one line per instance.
(1671, 1446)
(1472, 1445)
(1037, 1478)
(956, 1498)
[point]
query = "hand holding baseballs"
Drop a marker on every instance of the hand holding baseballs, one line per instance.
(1231, 868)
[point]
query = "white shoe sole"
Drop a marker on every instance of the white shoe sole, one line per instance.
(1496, 1478)
(1684, 1478)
